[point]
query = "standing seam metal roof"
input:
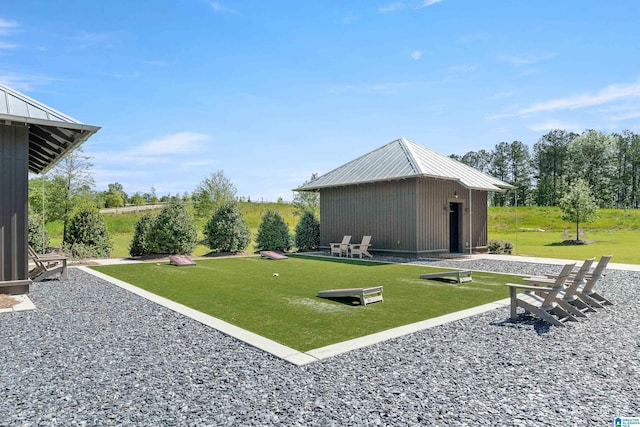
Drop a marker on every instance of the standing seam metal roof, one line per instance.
(402, 159)
(52, 134)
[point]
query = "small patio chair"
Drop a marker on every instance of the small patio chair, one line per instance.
(361, 248)
(341, 248)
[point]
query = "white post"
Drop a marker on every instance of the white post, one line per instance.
(470, 224)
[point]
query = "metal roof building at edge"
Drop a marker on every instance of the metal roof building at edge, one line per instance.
(403, 159)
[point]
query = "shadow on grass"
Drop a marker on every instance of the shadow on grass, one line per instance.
(350, 261)
(350, 301)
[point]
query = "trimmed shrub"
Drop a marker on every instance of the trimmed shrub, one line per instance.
(273, 233)
(87, 235)
(494, 246)
(140, 243)
(38, 236)
(226, 231)
(173, 231)
(307, 236)
(507, 247)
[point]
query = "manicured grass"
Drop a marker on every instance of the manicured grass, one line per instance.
(614, 232)
(244, 292)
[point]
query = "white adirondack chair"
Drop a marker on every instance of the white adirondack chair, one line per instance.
(361, 248)
(542, 301)
(341, 248)
(587, 293)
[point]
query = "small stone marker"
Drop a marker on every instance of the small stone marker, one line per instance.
(181, 260)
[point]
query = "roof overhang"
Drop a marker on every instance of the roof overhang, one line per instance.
(52, 134)
(493, 188)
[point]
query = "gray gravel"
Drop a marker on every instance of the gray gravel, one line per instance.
(94, 354)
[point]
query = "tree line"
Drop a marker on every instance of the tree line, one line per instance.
(608, 163)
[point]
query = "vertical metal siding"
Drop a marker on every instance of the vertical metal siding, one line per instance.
(385, 211)
(14, 149)
(407, 216)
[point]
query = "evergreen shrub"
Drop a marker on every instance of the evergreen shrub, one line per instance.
(273, 233)
(227, 231)
(307, 232)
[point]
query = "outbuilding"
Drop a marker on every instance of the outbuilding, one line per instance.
(33, 138)
(410, 199)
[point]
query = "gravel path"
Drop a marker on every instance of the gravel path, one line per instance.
(94, 354)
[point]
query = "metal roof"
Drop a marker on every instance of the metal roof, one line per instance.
(52, 134)
(402, 159)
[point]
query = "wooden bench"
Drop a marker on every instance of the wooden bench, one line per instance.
(365, 295)
(459, 275)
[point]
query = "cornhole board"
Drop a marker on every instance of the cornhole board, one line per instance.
(272, 255)
(365, 295)
(459, 275)
(181, 260)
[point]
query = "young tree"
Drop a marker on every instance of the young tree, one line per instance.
(71, 183)
(273, 233)
(578, 205)
(307, 237)
(212, 192)
(307, 200)
(226, 231)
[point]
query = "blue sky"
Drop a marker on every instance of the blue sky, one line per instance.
(272, 91)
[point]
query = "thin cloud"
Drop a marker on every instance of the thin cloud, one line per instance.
(7, 26)
(608, 94)
(526, 60)
(178, 143)
(393, 7)
(555, 124)
(4, 45)
(626, 116)
(428, 3)
(218, 8)
(24, 82)
(379, 88)
(416, 54)
(349, 19)
(464, 68)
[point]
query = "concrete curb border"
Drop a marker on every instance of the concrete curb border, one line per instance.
(287, 353)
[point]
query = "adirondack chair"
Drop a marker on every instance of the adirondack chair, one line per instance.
(361, 248)
(341, 248)
(587, 293)
(47, 266)
(567, 298)
(571, 296)
(542, 301)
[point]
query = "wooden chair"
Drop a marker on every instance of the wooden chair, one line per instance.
(542, 301)
(47, 266)
(341, 248)
(587, 293)
(361, 248)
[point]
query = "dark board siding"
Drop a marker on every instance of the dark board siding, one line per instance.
(14, 149)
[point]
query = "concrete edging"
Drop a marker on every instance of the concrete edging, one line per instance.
(287, 353)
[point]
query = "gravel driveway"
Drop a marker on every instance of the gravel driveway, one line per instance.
(94, 354)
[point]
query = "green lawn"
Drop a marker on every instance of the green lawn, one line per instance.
(244, 292)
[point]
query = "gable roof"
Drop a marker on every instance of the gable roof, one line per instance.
(402, 159)
(52, 134)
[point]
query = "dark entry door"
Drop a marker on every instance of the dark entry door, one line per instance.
(454, 227)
